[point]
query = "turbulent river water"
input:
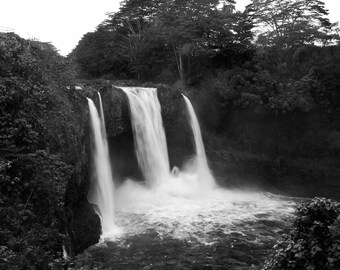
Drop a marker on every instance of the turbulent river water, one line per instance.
(174, 229)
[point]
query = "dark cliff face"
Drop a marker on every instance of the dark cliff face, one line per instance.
(82, 224)
(176, 124)
(119, 133)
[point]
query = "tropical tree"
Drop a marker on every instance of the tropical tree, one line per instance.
(284, 26)
(171, 35)
(288, 23)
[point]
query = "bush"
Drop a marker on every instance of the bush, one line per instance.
(252, 86)
(311, 245)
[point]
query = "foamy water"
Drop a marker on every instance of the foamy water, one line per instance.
(180, 227)
(182, 210)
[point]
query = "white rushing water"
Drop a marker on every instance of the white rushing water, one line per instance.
(102, 119)
(202, 168)
(150, 142)
(201, 219)
(102, 187)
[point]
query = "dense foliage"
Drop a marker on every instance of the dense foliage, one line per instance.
(163, 40)
(37, 151)
(311, 244)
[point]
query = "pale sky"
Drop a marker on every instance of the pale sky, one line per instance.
(64, 22)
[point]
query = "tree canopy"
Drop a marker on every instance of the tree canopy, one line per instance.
(291, 23)
(168, 34)
(155, 39)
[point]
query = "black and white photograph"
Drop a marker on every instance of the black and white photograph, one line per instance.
(170, 135)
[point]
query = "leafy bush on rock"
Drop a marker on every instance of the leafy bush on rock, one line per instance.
(311, 245)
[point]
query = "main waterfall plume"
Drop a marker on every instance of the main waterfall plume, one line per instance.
(102, 190)
(149, 136)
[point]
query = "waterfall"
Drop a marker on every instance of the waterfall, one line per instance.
(102, 118)
(102, 189)
(206, 177)
(149, 136)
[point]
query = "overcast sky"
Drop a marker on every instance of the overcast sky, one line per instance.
(64, 22)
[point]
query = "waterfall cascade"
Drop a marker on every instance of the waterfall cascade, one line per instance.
(149, 136)
(202, 168)
(184, 209)
(102, 189)
(152, 154)
(195, 180)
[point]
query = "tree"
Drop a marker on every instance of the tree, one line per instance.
(287, 23)
(95, 53)
(184, 26)
(283, 27)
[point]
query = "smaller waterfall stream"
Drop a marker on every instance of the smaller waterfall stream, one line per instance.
(102, 119)
(206, 178)
(102, 189)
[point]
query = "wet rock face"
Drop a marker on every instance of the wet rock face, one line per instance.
(119, 134)
(116, 110)
(82, 223)
(176, 124)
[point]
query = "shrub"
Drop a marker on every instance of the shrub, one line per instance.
(311, 245)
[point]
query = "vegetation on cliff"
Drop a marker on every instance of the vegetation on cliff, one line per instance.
(39, 151)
